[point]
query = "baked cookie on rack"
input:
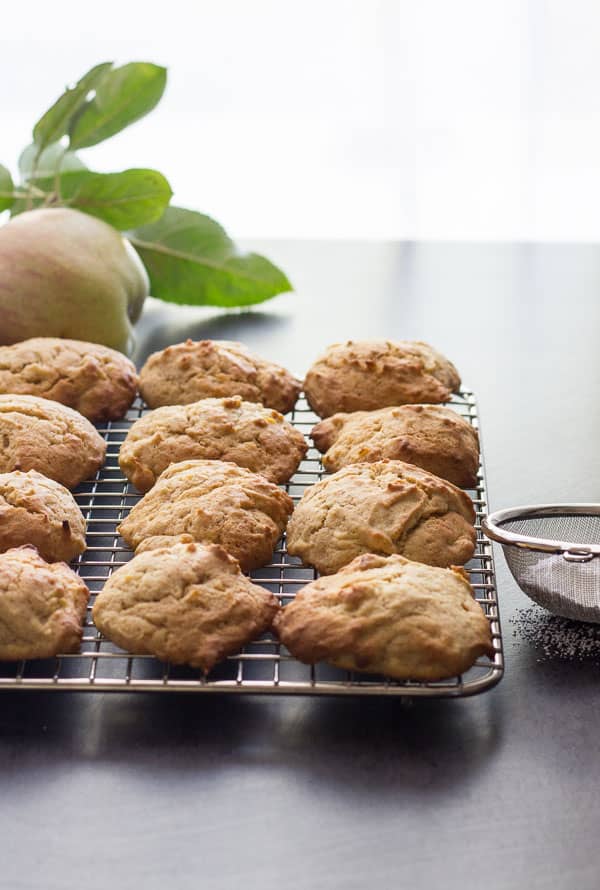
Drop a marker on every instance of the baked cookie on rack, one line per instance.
(245, 433)
(430, 436)
(212, 502)
(99, 382)
(194, 370)
(42, 606)
(39, 434)
(387, 615)
(364, 375)
(383, 507)
(187, 604)
(39, 511)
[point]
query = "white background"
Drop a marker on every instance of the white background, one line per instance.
(451, 119)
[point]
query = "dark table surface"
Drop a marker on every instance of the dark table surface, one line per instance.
(499, 791)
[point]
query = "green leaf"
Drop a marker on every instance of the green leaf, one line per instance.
(7, 188)
(54, 159)
(130, 198)
(190, 259)
(54, 124)
(123, 96)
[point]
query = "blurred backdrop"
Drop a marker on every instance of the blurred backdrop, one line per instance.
(471, 119)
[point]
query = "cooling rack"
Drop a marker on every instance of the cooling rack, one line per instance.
(263, 666)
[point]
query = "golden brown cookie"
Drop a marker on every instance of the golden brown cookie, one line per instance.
(244, 433)
(42, 606)
(384, 507)
(369, 374)
(99, 382)
(38, 434)
(216, 503)
(36, 510)
(187, 604)
(194, 370)
(430, 436)
(387, 615)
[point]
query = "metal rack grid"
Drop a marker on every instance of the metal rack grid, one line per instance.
(263, 666)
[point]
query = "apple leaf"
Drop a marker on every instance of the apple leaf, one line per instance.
(130, 198)
(7, 188)
(52, 160)
(123, 96)
(54, 124)
(190, 259)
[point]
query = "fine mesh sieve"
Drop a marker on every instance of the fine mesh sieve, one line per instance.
(553, 552)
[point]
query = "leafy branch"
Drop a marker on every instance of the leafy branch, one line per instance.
(189, 257)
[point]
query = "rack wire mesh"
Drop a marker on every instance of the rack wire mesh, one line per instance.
(263, 666)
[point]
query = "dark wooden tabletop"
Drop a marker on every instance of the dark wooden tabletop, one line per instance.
(499, 791)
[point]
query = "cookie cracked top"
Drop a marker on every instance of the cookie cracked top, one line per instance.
(228, 429)
(432, 437)
(39, 511)
(39, 434)
(212, 502)
(42, 606)
(95, 380)
(383, 507)
(369, 374)
(185, 603)
(194, 370)
(388, 615)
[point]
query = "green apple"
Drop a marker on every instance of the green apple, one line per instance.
(66, 274)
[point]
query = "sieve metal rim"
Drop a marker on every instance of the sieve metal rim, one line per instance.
(573, 552)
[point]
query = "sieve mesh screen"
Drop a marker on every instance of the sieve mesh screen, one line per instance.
(575, 529)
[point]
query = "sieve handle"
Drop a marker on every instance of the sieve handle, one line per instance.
(578, 555)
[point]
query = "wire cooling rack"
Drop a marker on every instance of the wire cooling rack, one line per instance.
(263, 666)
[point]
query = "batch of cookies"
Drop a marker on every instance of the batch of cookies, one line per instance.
(387, 528)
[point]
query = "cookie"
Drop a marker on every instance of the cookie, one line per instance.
(387, 615)
(99, 382)
(215, 503)
(370, 374)
(430, 436)
(230, 429)
(42, 606)
(36, 510)
(38, 434)
(187, 604)
(194, 370)
(384, 507)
